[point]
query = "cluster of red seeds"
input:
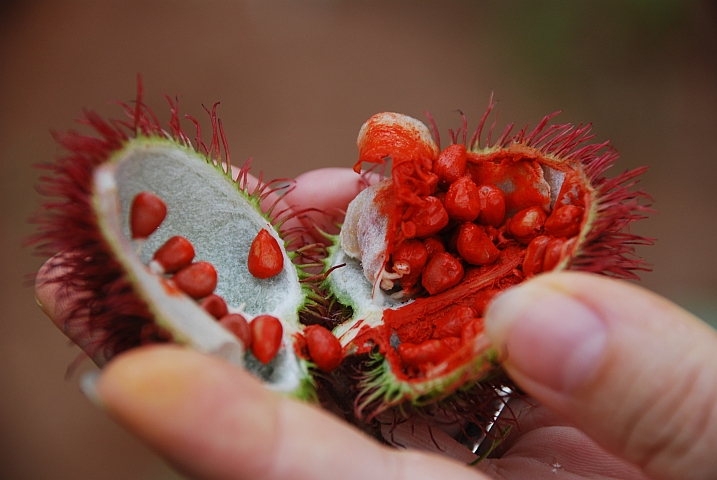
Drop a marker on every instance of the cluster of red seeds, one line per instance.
(464, 223)
(462, 226)
(458, 327)
(174, 259)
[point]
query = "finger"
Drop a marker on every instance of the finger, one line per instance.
(47, 290)
(328, 190)
(214, 421)
(635, 372)
(52, 295)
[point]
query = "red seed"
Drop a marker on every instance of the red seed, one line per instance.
(474, 246)
(492, 205)
(427, 219)
(266, 332)
(564, 221)
(433, 246)
(492, 232)
(324, 348)
(471, 330)
(215, 306)
(462, 200)
(146, 214)
(176, 253)
(409, 258)
(429, 352)
(238, 325)
(266, 258)
(534, 256)
(451, 163)
(454, 343)
(482, 300)
(527, 224)
(442, 272)
(196, 280)
(452, 323)
(553, 253)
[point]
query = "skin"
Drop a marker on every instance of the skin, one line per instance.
(624, 386)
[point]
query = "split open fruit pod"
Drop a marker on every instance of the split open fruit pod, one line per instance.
(424, 252)
(160, 242)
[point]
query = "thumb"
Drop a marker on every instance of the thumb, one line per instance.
(634, 371)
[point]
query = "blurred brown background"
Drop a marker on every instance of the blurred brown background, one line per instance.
(296, 80)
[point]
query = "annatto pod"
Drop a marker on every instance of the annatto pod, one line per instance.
(160, 243)
(156, 235)
(489, 215)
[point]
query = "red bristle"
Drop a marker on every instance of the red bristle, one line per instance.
(475, 139)
(434, 130)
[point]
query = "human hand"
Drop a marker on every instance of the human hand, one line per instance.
(641, 385)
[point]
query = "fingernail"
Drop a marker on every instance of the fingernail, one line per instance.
(547, 335)
(88, 386)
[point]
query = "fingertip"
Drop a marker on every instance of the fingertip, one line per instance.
(212, 420)
(204, 415)
(624, 365)
(546, 335)
(51, 295)
(328, 191)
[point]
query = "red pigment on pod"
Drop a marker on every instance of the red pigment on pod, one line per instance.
(475, 239)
